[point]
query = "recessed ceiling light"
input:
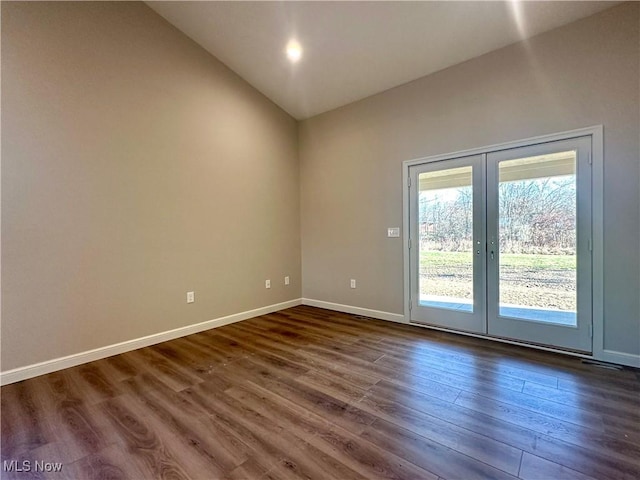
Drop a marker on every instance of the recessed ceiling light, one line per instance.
(294, 50)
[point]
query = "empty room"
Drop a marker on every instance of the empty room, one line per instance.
(320, 240)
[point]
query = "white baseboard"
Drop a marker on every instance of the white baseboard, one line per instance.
(611, 356)
(366, 312)
(620, 358)
(22, 373)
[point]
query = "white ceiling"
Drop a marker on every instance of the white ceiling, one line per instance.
(356, 49)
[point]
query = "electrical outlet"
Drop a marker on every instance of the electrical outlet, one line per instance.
(286, 280)
(267, 284)
(191, 297)
(353, 283)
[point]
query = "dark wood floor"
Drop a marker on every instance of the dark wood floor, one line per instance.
(309, 393)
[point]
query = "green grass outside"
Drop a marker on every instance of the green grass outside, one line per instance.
(533, 261)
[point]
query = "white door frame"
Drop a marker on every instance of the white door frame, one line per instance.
(597, 209)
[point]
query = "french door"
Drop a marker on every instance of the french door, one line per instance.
(447, 250)
(500, 243)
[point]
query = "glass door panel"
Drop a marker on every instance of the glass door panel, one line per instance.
(537, 238)
(445, 230)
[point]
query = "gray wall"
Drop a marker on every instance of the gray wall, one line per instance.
(135, 167)
(579, 75)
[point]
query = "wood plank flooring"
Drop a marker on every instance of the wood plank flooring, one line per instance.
(310, 393)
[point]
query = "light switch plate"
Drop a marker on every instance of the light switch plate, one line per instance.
(393, 232)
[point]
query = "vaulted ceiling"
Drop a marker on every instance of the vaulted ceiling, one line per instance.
(352, 50)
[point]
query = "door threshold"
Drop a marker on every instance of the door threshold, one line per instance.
(598, 363)
(546, 348)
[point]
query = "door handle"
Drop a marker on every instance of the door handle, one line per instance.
(491, 254)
